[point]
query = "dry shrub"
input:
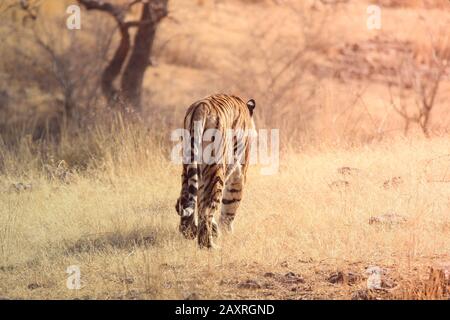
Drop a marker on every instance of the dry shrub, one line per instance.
(103, 141)
(435, 287)
(50, 71)
(277, 70)
(420, 76)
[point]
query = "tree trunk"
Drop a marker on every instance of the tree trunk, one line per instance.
(133, 75)
(130, 92)
(114, 67)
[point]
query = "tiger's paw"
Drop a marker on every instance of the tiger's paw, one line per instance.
(205, 239)
(188, 230)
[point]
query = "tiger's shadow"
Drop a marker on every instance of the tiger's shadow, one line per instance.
(144, 237)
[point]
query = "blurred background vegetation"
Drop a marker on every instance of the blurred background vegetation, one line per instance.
(314, 68)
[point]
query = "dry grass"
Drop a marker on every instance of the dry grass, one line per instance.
(117, 222)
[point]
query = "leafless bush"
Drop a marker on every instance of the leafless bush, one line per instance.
(275, 68)
(435, 287)
(29, 8)
(421, 81)
(46, 67)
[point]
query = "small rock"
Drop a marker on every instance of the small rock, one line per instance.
(371, 270)
(393, 182)
(347, 171)
(289, 274)
(291, 277)
(336, 278)
(269, 274)
(339, 184)
(343, 278)
(377, 279)
(249, 284)
(7, 268)
(34, 285)
(268, 285)
(361, 295)
(20, 187)
(192, 296)
(127, 280)
(388, 284)
(388, 219)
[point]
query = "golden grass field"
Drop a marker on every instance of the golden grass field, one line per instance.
(118, 224)
(103, 198)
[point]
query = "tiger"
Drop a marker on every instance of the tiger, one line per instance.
(207, 187)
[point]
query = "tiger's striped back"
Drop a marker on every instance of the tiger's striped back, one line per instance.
(215, 182)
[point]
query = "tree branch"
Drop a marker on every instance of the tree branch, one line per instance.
(116, 11)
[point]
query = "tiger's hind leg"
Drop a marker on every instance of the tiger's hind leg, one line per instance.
(188, 227)
(186, 204)
(215, 229)
(231, 199)
(210, 196)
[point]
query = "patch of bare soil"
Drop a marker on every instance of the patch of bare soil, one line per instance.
(321, 280)
(379, 59)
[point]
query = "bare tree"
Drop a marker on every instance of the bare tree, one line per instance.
(29, 7)
(279, 67)
(72, 69)
(62, 69)
(424, 82)
(130, 60)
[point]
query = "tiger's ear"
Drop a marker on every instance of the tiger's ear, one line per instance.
(251, 105)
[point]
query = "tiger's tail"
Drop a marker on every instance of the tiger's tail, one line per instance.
(195, 123)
